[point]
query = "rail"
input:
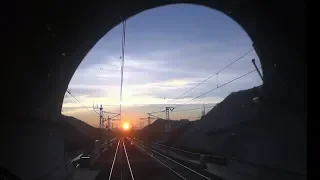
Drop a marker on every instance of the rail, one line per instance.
(162, 163)
(215, 159)
(111, 174)
(113, 139)
(75, 159)
(114, 159)
(125, 151)
(188, 152)
(110, 141)
(168, 158)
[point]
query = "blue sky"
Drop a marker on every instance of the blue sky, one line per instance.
(168, 50)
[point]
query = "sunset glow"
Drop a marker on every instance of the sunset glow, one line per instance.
(125, 126)
(165, 63)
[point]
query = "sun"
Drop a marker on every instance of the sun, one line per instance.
(125, 126)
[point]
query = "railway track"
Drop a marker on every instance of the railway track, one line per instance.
(128, 159)
(209, 158)
(121, 168)
(182, 171)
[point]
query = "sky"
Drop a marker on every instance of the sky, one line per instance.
(168, 50)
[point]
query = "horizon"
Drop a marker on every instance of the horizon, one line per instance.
(168, 51)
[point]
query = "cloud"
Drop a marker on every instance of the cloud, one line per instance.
(164, 57)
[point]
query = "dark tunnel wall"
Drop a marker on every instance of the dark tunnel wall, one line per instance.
(50, 40)
(46, 41)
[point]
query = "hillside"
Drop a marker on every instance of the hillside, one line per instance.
(179, 129)
(263, 134)
(79, 135)
(219, 125)
(162, 130)
(74, 139)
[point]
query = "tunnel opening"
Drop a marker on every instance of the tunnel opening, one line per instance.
(223, 138)
(147, 35)
(279, 40)
(189, 43)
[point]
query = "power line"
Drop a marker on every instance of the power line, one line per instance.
(193, 109)
(190, 117)
(213, 75)
(219, 87)
(68, 91)
(122, 60)
(155, 116)
(157, 112)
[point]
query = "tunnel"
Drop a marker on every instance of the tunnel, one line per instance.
(47, 41)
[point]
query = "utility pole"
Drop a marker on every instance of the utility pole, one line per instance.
(111, 118)
(100, 119)
(108, 121)
(203, 113)
(168, 109)
(148, 118)
(101, 122)
(255, 65)
(108, 130)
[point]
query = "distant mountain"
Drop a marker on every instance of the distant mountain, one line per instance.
(83, 127)
(162, 130)
(222, 123)
(214, 132)
(80, 135)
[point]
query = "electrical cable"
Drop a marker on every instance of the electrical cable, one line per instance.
(68, 91)
(219, 87)
(213, 75)
(122, 61)
(192, 109)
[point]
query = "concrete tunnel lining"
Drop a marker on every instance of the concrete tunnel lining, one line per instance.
(277, 39)
(43, 61)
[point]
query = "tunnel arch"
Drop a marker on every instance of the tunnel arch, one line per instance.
(70, 31)
(151, 19)
(47, 41)
(246, 21)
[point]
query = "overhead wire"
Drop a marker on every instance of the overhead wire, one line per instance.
(122, 61)
(156, 112)
(190, 117)
(68, 91)
(155, 116)
(239, 77)
(192, 109)
(212, 75)
(183, 110)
